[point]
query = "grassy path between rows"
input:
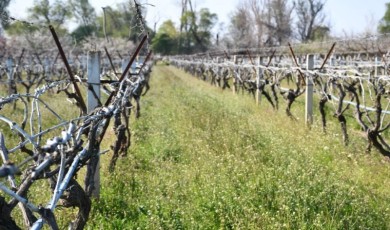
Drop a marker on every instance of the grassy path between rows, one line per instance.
(203, 158)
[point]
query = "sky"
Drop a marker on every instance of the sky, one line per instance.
(350, 17)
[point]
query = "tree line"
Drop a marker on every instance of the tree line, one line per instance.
(253, 24)
(118, 22)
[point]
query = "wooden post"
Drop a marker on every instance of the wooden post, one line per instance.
(349, 60)
(218, 72)
(332, 61)
(258, 79)
(125, 61)
(93, 97)
(234, 77)
(47, 68)
(309, 92)
(376, 66)
(93, 79)
(10, 73)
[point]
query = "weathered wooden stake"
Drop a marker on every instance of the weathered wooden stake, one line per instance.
(259, 74)
(376, 66)
(93, 97)
(47, 68)
(219, 70)
(125, 62)
(332, 61)
(309, 92)
(234, 77)
(10, 73)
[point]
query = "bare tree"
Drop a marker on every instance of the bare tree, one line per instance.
(257, 8)
(278, 21)
(3, 14)
(48, 12)
(241, 28)
(310, 17)
(184, 11)
(262, 22)
(83, 12)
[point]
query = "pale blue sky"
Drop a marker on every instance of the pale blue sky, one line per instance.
(350, 16)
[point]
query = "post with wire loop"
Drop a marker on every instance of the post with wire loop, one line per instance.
(309, 91)
(93, 101)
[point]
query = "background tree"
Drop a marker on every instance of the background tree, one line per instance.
(43, 12)
(46, 13)
(122, 22)
(384, 24)
(186, 6)
(166, 38)
(257, 9)
(241, 29)
(262, 23)
(4, 14)
(320, 33)
(20, 28)
(187, 30)
(278, 20)
(205, 24)
(310, 19)
(196, 35)
(86, 18)
(195, 32)
(83, 11)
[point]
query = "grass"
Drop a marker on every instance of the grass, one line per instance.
(203, 158)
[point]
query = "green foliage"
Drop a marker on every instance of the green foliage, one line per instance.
(320, 33)
(195, 31)
(206, 159)
(82, 32)
(165, 40)
(168, 27)
(194, 35)
(85, 15)
(46, 13)
(123, 22)
(83, 11)
(207, 20)
(164, 44)
(384, 24)
(43, 12)
(18, 28)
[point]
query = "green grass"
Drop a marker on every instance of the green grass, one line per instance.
(203, 158)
